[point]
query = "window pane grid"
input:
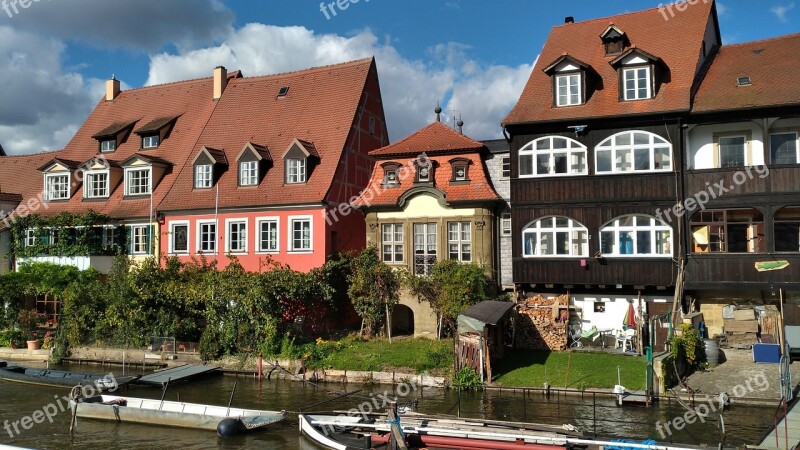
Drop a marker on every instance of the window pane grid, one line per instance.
(268, 236)
(637, 83)
(204, 176)
(392, 245)
(553, 156)
(58, 187)
(208, 237)
(633, 151)
(784, 148)
(248, 174)
(569, 90)
(97, 185)
(138, 182)
(555, 236)
(424, 248)
(636, 236)
(301, 234)
(459, 241)
(237, 237)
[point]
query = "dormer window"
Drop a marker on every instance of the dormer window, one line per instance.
(299, 160)
(137, 181)
(97, 185)
(424, 171)
(57, 187)
(209, 164)
(637, 83)
(460, 168)
(151, 141)
(639, 74)
(296, 170)
(156, 131)
(248, 173)
(108, 145)
(142, 173)
(572, 81)
(391, 174)
(203, 176)
(569, 89)
(254, 160)
(614, 40)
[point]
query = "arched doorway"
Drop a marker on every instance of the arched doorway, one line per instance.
(402, 320)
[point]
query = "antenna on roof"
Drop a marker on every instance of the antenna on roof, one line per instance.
(438, 112)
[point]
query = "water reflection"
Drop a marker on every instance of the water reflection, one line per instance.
(744, 424)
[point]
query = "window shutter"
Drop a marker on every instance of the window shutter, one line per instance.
(149, 239)
(129, 239)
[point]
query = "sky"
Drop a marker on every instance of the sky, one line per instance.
(472, 56)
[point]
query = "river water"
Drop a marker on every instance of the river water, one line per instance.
(743, 424)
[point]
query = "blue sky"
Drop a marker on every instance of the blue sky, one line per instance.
(473, 56)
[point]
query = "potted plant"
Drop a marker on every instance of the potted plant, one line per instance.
(28, 324)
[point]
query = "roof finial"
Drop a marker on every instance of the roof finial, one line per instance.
(438, 112)
(113, 76)
(460, 124)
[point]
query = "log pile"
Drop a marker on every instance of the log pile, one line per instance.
(542, 323)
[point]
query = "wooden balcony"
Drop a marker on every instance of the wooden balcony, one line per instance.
(744, 181)
(637, 187)
(608, 271)
(725, 271)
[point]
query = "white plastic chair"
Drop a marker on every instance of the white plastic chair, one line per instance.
(626, 339)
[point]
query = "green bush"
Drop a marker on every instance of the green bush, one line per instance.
(9, 337)
(467, 379)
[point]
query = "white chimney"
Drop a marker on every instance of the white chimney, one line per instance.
(112, 88)
(220, 81)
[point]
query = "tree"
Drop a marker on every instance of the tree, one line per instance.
(451, 288)
(374, 290)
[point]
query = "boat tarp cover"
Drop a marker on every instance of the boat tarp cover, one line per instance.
(478, 316)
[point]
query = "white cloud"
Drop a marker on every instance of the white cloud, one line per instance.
(723, 9)
(410, 88)
(43, 104)
(781, 11)
(136, 25)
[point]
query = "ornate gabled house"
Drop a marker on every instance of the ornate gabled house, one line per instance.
(742, 180)
(430, 198)
(271, 176)
(596, 146)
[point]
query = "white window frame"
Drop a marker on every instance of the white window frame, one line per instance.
(393, 243)
(129, 177)
(505, 174)
(199, 237)
(427, 178)
(569, 80)
(248, 173)
(654, 226)
(505, 224)
(463, 240)
(204, 176)
(30, 237)
(573, 151)
(636, 78)
(259, 241)
(299, 167)
(151, 141)
(577, 235)
(134, 243)
(179, 223)
(427, 249)
(88, 188)
(796, 145)
(66, 195)
(290, 237)
(109, 240)
(229, 224)
(610, 146)
(105, 146)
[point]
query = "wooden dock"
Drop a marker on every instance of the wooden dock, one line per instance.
(634, 397)
(787, 434)
(177, 374)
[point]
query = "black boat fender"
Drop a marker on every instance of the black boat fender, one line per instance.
(229, 427)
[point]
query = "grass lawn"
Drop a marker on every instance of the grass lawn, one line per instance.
(416, 355)
(573, 370)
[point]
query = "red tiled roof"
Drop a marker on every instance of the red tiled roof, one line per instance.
(677, 42)
(19, 178)
(436, 138)
(441, 144)
(191, 100)
(772, 65)
(320, 110)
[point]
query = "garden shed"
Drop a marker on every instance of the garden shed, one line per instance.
(482, 333)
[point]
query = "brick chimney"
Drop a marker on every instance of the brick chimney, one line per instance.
(220, 81)
(112, 88)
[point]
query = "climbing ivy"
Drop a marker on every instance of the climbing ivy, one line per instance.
(65, 234)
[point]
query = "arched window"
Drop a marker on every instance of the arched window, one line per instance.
(552, 156)
(633, 151)
(636, 236)
(555, 237)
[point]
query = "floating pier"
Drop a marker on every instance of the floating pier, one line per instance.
(177, 374)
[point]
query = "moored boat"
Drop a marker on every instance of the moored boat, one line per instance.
(60, 378)
(342, 432)
(224, 420)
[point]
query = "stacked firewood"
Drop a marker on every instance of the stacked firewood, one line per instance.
(542, 323)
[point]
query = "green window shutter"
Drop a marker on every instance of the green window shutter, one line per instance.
(149, 239)
(129, 240)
